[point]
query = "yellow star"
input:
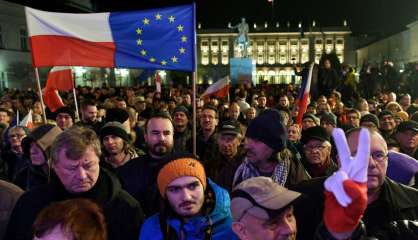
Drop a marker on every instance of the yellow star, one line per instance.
(145, 21)
(180, 28)
(158, 16)
(138, 31)
(183, 38)
(152, 59)
(143, 52)
(174, 59)
(182, 50)
(171, 19)
(139, 42)
(163, 63)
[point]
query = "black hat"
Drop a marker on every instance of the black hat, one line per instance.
(370, 118)
(317, 132)
(43, 135)
(268, 128)
(311, 116)
(408, 125)
(65, 109)
(329, 118)
(114, 128)
(181, 108)
(229, 127)
(116, 114)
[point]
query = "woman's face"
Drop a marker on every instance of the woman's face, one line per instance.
(37, 156)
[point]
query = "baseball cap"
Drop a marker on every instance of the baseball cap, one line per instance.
(408, 125)
(229, 127)
(261, 197)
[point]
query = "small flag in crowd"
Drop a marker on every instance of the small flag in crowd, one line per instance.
(150, 39)
(218, 89)
(303, 96)
(59, 79)
(27, 120)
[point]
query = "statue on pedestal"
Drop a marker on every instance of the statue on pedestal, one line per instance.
(242, 40)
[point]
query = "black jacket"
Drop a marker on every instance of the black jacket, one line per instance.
(396, 202)
(123, 214)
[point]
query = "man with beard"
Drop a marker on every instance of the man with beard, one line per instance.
(182, 131)
(89, 115)
(142, 184)
(194, 206)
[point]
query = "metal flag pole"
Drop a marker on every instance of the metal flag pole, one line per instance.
(194, 82)
(40, 95)
(17, 117)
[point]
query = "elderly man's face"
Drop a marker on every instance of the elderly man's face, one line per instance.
(378, 160)
(257, 151)
(77, 175)
(408, 139)
(283, 227)
(317, 152)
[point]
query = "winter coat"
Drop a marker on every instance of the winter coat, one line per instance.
(194, 228)
(123, 214)
(30, 177)
(9, 194)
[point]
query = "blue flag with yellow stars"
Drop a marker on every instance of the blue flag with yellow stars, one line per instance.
(154, 39)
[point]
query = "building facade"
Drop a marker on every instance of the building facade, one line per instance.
(275, 51)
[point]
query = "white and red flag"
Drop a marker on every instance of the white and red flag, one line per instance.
(218, 89)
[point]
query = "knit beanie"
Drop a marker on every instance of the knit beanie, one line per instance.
(116, 114)
(114, 128)
(181, 108)
(177, 168)
(268, 128)
(370, 118)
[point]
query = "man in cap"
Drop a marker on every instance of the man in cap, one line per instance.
(75, 157)
(65, 117)
(182, 130)
(328, 121)
(228, 151)
(262, 209)
(407, 136)
(194, 206)
(317, 150)
(266, 152)
(309, 120)
(370, 121)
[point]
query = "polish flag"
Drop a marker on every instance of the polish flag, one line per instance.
(303, 96)
(27, 120)
(52, 99)
(60, 78)
(218, 89)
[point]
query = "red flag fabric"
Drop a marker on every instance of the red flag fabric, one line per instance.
(52, 99)
(303, 97)
(60, 78)
(218, 89)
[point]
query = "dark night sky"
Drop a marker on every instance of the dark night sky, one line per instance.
(364, 16)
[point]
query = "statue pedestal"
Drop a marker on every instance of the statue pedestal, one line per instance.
(242, 70)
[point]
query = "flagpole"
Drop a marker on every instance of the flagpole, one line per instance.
(17, 117)
(40, 95)
(194, 78)
(77, 114)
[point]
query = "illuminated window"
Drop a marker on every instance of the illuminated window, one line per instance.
(204, 48)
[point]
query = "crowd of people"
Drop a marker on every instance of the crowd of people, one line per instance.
(123, 168)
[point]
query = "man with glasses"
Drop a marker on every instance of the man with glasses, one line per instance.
(388, 203)
(353, 118)
(317, 150)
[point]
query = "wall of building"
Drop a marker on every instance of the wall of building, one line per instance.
(401, 48)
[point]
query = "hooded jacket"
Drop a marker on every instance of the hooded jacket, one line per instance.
(122, 213)
(220, 219)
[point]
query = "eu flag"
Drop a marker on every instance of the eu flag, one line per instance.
(154, 39)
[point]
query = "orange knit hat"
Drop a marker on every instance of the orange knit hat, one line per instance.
(180, 167)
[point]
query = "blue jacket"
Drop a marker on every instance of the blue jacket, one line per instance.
(194, 229)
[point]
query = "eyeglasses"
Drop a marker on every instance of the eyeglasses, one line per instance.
(17, 135)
